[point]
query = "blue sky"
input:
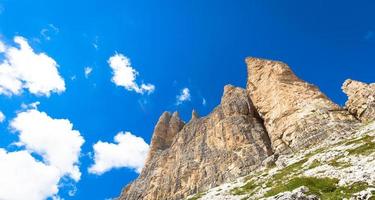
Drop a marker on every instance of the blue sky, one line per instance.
(173, 45)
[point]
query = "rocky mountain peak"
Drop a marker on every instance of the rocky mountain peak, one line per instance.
(194, 115)
(296, 114)
(276, 115)
(165, 131)
(361, 99)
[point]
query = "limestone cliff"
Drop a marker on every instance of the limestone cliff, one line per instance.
(228, 143)
(165, 131)
(296, 114)
(276, 116)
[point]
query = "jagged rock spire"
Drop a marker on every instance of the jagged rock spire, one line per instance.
(165, 130)
(230, 142)
(194, 115)
(296, 114)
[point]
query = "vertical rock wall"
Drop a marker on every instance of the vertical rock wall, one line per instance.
(296, 114)
(228, 143)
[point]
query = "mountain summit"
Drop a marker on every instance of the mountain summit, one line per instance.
(253, 129)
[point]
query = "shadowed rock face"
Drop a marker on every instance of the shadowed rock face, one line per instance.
(228, 143)
(296, 114)
(361, 101)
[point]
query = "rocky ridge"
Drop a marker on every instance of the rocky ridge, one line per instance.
(270, 122)
(228, 143)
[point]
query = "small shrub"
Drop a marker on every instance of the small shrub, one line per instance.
(248, 188)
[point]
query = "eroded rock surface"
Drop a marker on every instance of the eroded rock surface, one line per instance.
(264, 126)
(296, 114)
(164, 133)
(228, 143)
(361, 99)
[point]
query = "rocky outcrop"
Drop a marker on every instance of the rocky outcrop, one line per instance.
(228, 143)
(361, 99)
(277, 115)
(296, 114)
(333, 169)
(165, 131)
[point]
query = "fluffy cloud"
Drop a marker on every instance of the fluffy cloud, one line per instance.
(124, 75)
(53, 139)
(57, 144)
(2, 117)
(183, 96)
(87, 71)
(22, 68)
(23, 177)
(128, 151)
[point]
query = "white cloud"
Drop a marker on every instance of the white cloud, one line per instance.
(87, 71)
(2, 117)
(23, 177)
(2, 47)
(128, 151)
(54, 140)
(183, 96)
(22, 68)
(33, 105)
(125, 75)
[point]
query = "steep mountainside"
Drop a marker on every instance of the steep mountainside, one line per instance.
(276, 121)
(228, 143)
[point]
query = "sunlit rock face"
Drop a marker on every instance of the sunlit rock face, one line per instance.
(228, 143)
(165, 131)
(361, 99)
(296, 114)
(277, 115)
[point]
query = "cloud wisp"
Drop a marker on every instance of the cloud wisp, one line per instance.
(87, 71)
(2, 117)
(125, 75)
(22, 68)
(127, 151)
(183, 96)
(46, 33)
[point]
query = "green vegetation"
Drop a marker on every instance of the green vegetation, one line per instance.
(320, 150)
(314, 164)
(367, 146)
(248, 188)
(324, 188)
(289, 170)
(338, 164)
(316, 185)
(365, 139)
(197, 196)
